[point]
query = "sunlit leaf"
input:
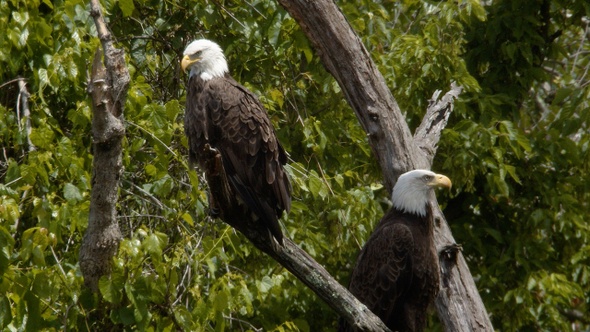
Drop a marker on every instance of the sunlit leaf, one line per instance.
(72, 193)
(126, 6)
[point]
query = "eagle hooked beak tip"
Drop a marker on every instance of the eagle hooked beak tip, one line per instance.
(187, 62)
(441, 181)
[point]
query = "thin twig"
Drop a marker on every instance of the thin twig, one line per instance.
(11, 81)
(24, 112)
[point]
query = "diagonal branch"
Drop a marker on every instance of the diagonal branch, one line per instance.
(346, 58)
(315, 276)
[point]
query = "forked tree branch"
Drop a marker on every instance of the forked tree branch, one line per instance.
(435, 120)
(459, 305)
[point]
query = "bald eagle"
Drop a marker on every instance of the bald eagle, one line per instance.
(396, 274)
(231, 139)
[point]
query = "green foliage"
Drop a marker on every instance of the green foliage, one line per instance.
(521, 162)
(516, 148)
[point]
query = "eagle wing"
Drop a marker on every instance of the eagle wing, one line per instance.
(239, 128)
(383, 270)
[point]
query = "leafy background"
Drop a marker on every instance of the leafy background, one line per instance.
(516, 148)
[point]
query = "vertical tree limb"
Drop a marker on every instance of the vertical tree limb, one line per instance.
(108, 89)
(459, 305)
(23, 112)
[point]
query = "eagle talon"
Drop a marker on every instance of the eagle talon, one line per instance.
(209, 151)
(213, 160)
(213, 212)
(212, 150)
(449, 252)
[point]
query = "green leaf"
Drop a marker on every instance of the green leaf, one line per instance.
(14, 36)
(155, 243)
(126, 7)
(512, 172)
(13, 171)
(221, 300)
(5, 249)
(24, 36)
(72, 193)
(274, 30)
(151, 170)
(265, 284)
(163, 186)
(44, 284)
(43, 78)
(315, 184)
(34, 310)
(5, 311)
(20, 18)
(277, 96)
(111, 289)
(478, 10)
(561, 94)
(126, 316)
(172, 110)
(495, 234)
(183, 317)
(48, 3)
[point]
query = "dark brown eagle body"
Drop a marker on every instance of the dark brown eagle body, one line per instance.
(397, 272)
(407, 281)
(232, 140)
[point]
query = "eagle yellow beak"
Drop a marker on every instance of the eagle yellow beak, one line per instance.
(187, 61)
(441, 181)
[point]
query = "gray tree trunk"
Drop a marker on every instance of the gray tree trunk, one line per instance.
(343, 54)
(108, 89)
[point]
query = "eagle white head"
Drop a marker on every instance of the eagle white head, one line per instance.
(204, 58)
(413, 189)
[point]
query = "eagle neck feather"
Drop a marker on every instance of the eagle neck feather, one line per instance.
(214, 68)
(411, 200)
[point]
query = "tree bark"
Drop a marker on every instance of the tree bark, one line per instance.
(108, 89)
(341, 51)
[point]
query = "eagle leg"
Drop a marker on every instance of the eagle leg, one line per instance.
(213, 211)
(213, 160)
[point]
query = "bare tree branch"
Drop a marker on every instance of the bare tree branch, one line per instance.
(23, 112)
(108, 89)
(315, 276)
(435, 120)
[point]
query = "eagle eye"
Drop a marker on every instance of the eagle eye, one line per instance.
(427, 178)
